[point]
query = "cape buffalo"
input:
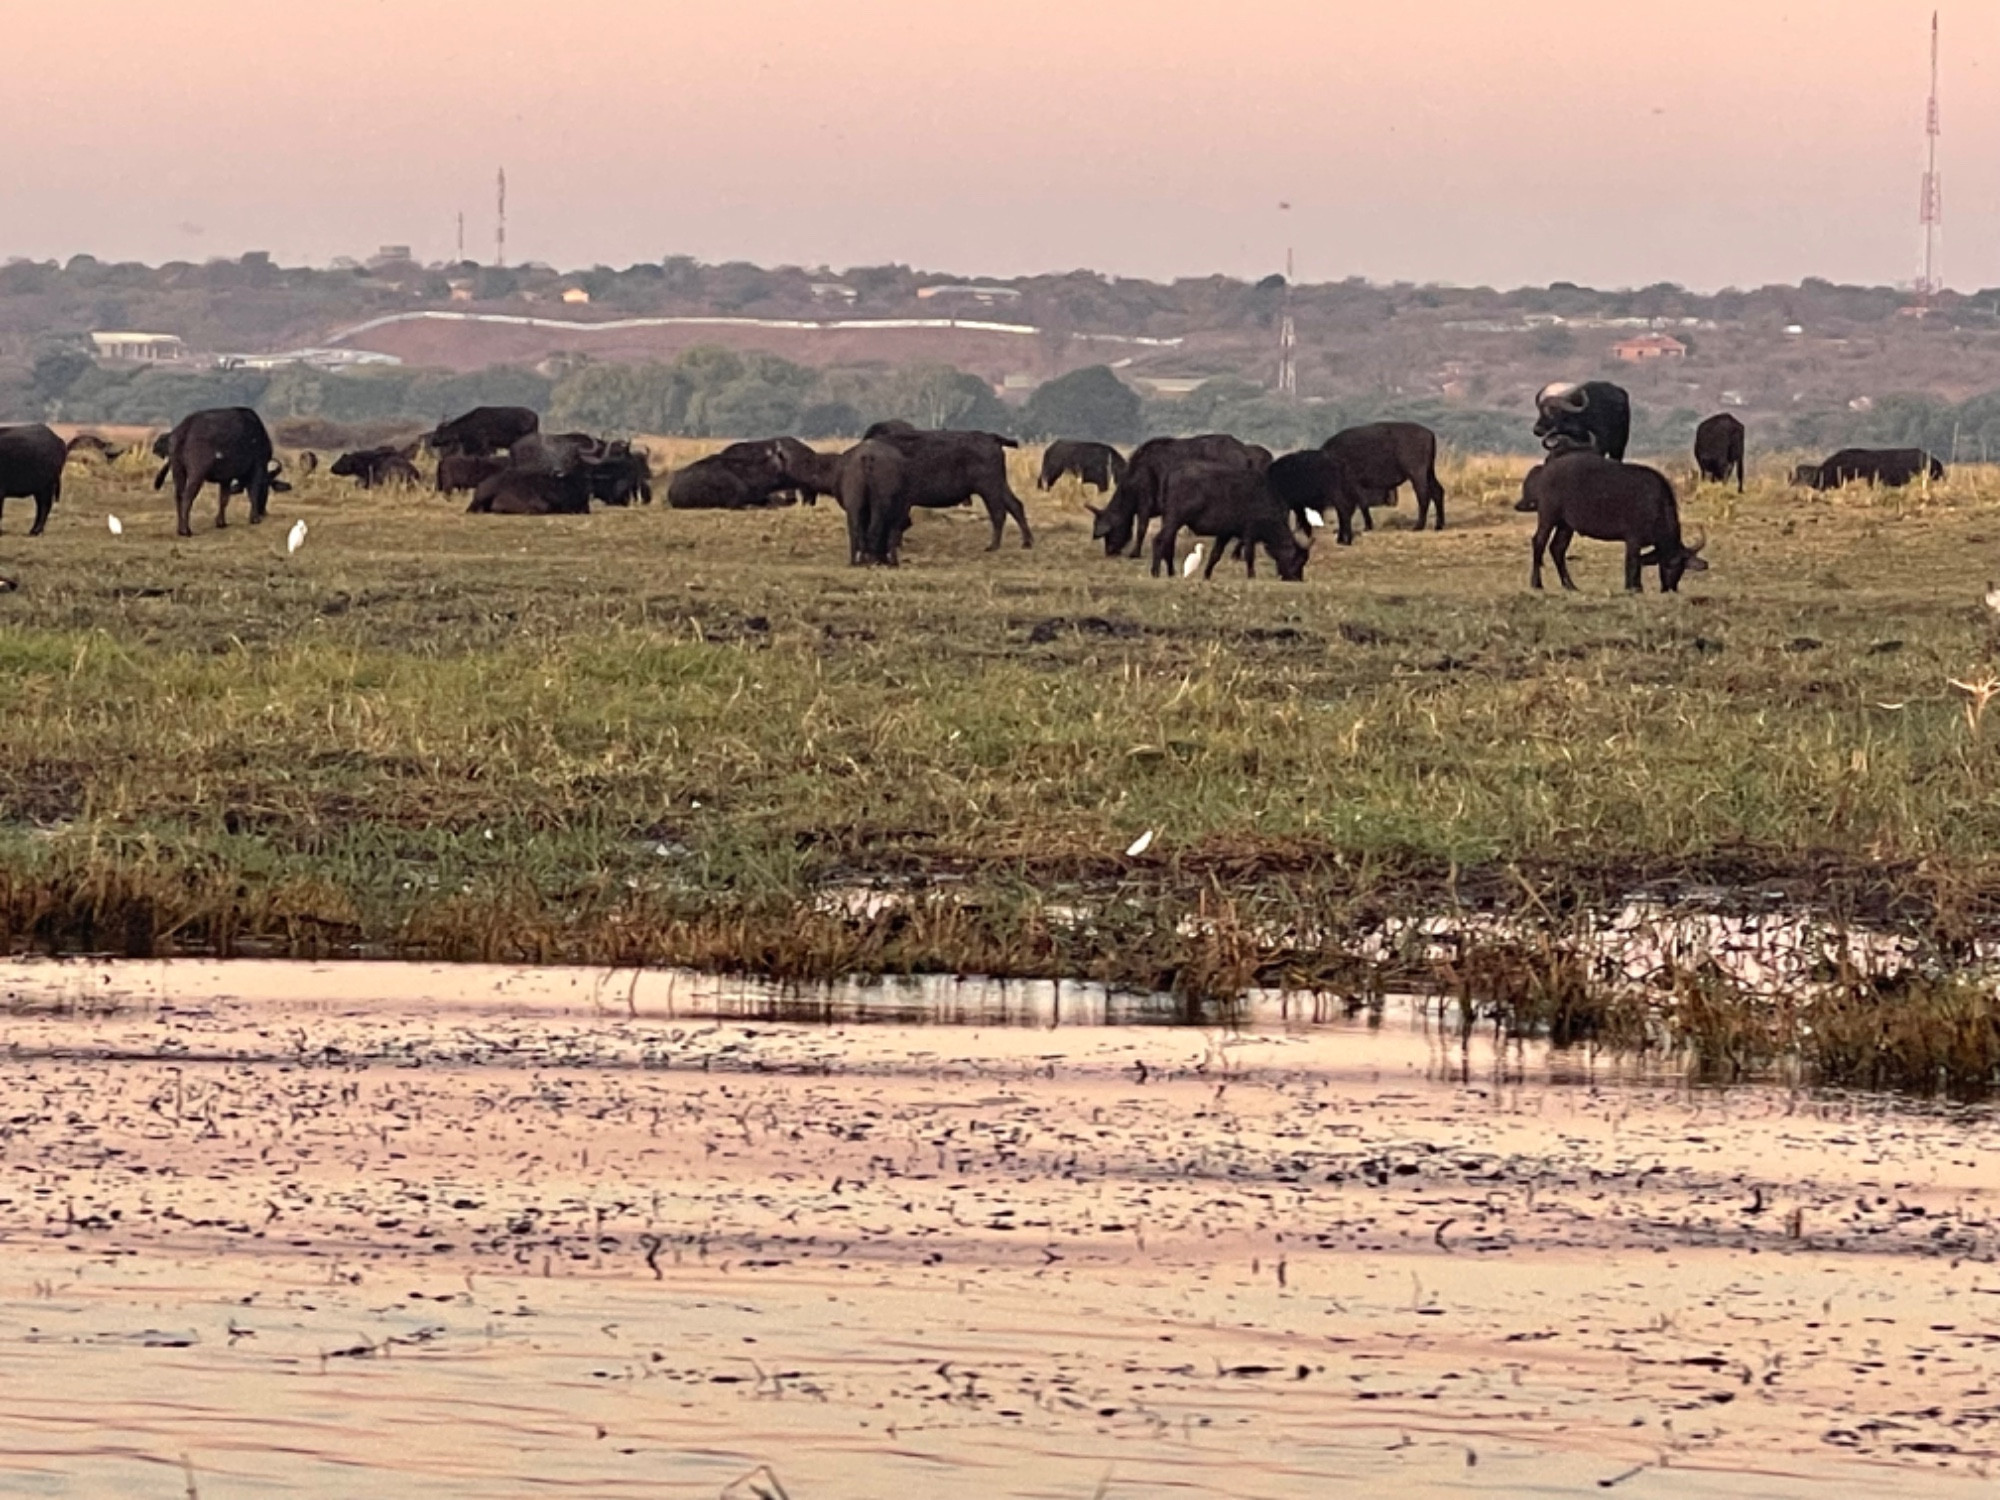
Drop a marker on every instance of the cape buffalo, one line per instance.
(1097, 464)
(739, 477)
(1718, 448)
(893, 427)
(621, 476)
(1123, 520)
(1596, 414)
(1892, 468)
(942, 469)
(91, 443)
(227, 446)
(1585, 493)
(532, 492)
(457, 471)
(377, 468)
(483, 430)
(1380, 458)
(808, 473)
(1314, 480)
(31, 463)
(1226, 502)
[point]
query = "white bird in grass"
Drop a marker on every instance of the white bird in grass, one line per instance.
(1140, 845)
(1193, 562)
(1993, 597)
(117, 526)
(1314, 519)
(296, 537)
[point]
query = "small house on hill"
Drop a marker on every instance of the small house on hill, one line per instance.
(1650, 346)
(575, 294)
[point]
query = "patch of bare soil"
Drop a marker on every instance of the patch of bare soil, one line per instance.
(369, 1228)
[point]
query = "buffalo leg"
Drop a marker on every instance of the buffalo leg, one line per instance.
(1559, 554)
(1541, 547)
(1634, 555)
(187, 485)
(1164, 546)
(1140, 521)
(44, 502)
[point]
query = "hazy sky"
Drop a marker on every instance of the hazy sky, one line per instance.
(1709, 142)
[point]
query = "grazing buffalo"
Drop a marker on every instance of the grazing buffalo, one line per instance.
(1892, 468)
(482, 431)
(1097, 464)
(378, 468)
(459, 471)
(90, 443)
(229, 447)
(942, 469)
(532, 492)
(1122, 522)
(1226, 502)
(1718, 448)
(1379, 458)
(1596, 414)
(1580, 493)
(31, 464)
(1314, 481)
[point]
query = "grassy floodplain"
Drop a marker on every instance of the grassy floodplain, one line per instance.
(654, 736)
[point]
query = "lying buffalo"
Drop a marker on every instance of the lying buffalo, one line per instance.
(1379, 458)
(228, 447)
(740, 477)
(1122, 522)
(1892, 468)
(460, 471)
(1596, 414)
(1227, 503)
(378, 468)
(1097, 464)
(936, 470)
(532, 492)
(483, 430)
(1580, 493)
(31, 464)
(92, 445)
(1718, 448)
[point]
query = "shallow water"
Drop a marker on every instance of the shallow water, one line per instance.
(335, 1230)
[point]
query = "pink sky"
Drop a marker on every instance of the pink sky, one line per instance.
(1708, 142)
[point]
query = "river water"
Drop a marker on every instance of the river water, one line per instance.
(331, 1230)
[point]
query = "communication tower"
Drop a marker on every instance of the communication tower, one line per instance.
(500, 224)
(1288, 338)
(1930, 213)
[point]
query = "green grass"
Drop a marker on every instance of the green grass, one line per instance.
(658, 736)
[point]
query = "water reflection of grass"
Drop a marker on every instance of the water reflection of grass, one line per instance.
(659, 736)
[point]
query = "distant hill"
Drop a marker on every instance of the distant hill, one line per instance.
(1800, 364)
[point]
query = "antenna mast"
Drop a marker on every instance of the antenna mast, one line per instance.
(1931, 211)
(461, 236)
(1288, 333)
(500, 227)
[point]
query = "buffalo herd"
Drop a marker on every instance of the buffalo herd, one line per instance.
(1226, 492)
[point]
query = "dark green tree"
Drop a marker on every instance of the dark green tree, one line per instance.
(1090, 403)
